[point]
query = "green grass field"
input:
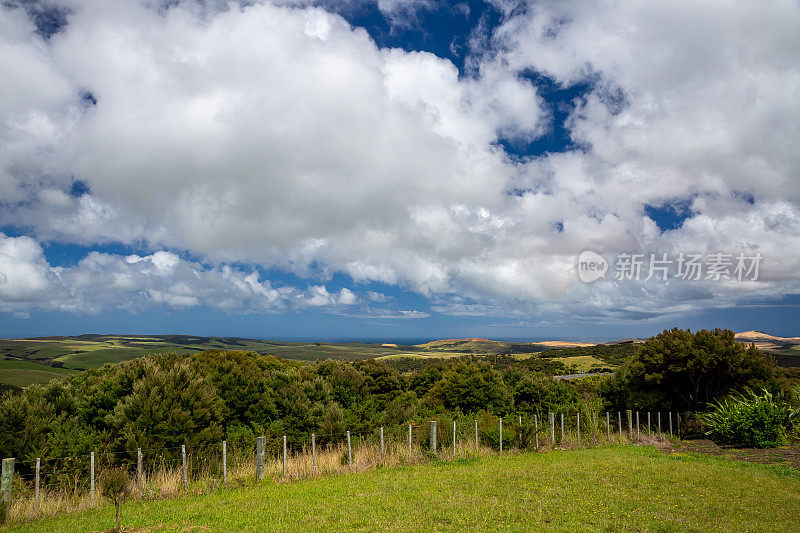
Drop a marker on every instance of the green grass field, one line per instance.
(582, 363)
(98, 357)
(631, 488)
(23, 373)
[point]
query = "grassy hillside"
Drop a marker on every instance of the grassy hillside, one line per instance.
(602, 489)
(38, 360)
(23, 373)
(46, 358)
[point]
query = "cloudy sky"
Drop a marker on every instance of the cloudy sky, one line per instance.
(398, 169)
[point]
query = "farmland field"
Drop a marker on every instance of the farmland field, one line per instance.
(613, 488)
(22, 373)
(582, 363)
(53, 357)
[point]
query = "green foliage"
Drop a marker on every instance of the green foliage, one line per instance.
(680, 370)
(470, 387)
(540, 394)
(170, 405)
(752, 419)
(166, 400)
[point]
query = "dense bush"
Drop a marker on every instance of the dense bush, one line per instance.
(751, 419)
(678, 370)
(162, 401)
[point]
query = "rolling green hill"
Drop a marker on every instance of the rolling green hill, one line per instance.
(37, 360)
(23, 373)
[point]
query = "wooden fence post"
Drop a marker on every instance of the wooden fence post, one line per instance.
(536, 430)
(629, 414)
(432, 436)
(649, 432)
(284, 455)
(139, 466)
(185, 474)
(552, 420)
(91, 477)
(637, 425)
(383, 454)
(562, 428)
(476, 435)
(261, 445)
(7, 480)
(670, 423)
(409, 441)
(501, 434)
(38, 468)
(578, 418)
(454, 438)
(349, 451)
(659, 422)
(314, 452)
(608, 426)
(224, 462)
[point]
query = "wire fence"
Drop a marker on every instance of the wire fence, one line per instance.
(44, 486)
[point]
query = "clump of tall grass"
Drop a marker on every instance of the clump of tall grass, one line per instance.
(756, 419)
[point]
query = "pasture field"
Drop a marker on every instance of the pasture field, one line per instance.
(581, 363)
(23, 373)
(611, 488)
(93, 351)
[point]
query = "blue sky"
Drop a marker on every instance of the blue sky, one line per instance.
(395, 170)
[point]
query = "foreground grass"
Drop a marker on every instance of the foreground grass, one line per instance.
(603, 489)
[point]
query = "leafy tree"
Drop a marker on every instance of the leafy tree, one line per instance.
(169, 407)
(25, 421)
(681, 370)
(471, 387)
(539, 393)
(241, 385)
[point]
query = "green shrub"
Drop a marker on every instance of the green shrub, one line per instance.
(753, 419)
(115, 485)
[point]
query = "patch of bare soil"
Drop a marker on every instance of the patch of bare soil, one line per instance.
(785, 455)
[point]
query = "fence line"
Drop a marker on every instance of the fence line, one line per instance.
(210, 462)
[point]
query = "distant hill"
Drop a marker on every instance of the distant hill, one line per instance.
(37, 360)
(486, 346)
(786, 350)
(760, 336)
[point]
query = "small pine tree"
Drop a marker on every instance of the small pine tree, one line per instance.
(114, 485)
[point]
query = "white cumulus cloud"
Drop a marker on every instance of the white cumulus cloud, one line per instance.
(276, 134)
